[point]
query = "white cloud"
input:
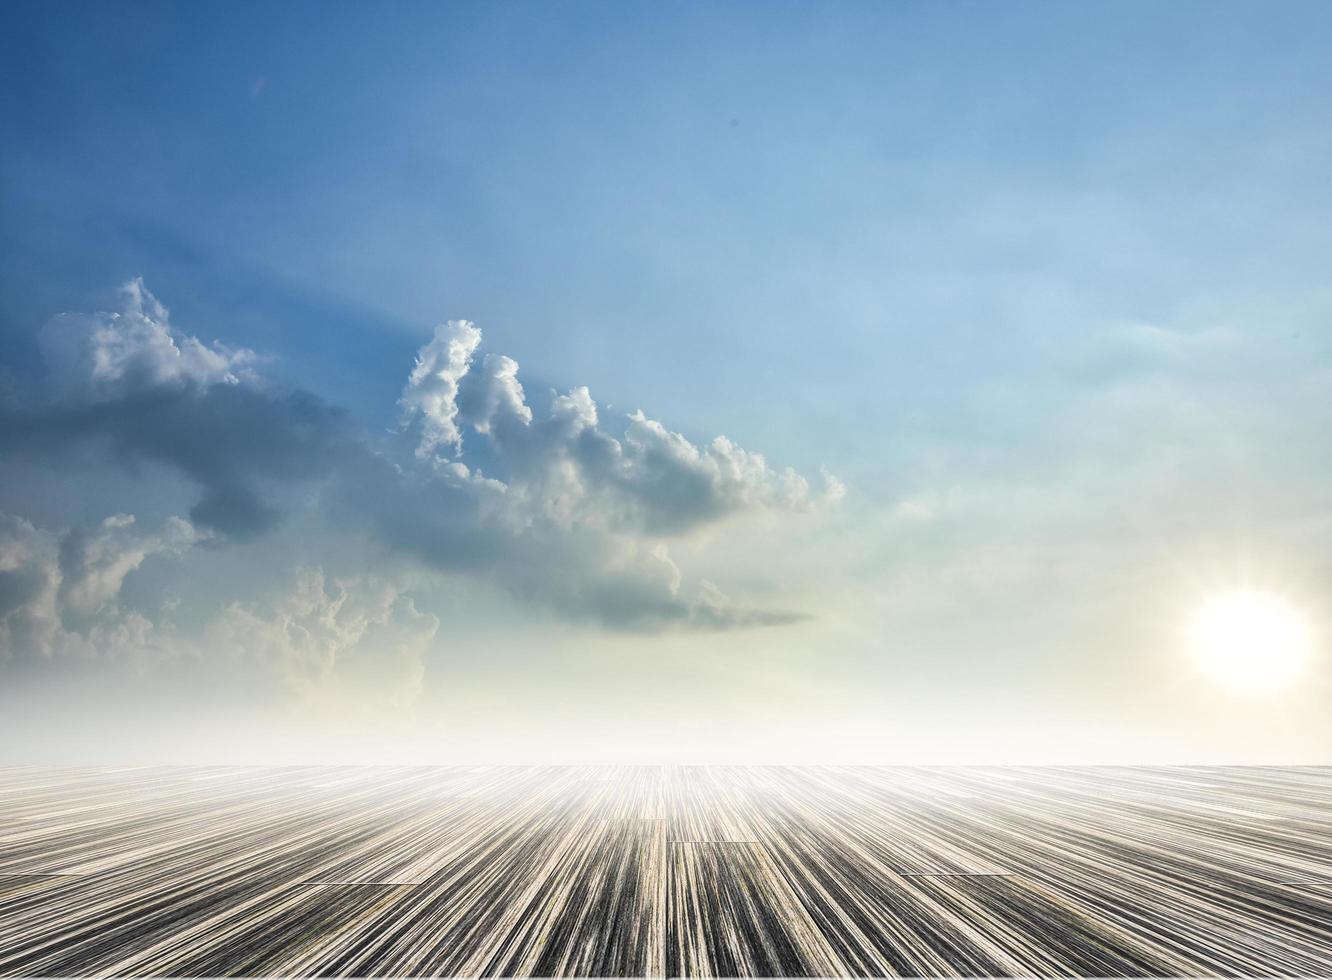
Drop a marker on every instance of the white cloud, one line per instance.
(431, 393)
(834, 490)
(29, 581)
(102, 355)
(58, 589)
(94, 563)
(921, 507)
(546, 501)
(570, 514)
(60, 600)
(325, 635)
(564, 466)
(498, 396)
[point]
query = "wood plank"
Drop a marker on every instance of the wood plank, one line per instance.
(643, 871)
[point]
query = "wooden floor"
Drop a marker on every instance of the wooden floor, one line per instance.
(684, 871)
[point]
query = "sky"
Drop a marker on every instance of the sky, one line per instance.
(747, 382)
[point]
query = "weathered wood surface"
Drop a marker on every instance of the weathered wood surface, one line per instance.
(676, 871)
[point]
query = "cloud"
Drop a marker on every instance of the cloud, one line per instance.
(321, 637)
(59, 589)
(431, 393)
(325, 635)
(241, 445)
(573, 517)
(498, 397)
(128, 385)
(94, 562)
(29, 580)
(455, 520)
(549, 504)
(565, 466)
(99, 356)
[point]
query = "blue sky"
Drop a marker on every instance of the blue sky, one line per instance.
(1042, 285)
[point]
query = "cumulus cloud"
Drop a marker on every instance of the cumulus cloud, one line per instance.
(58, 589)
(497, 396)
(94, 562)
(29, 579)
(323, 635)
(549, 503)
(61, 603)
(573, 515)
(567, 467)
(129, 385)
(431, 394)
(102, 355)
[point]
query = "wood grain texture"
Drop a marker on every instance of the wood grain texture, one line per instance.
(721, 871)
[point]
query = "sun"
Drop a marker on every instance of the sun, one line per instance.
(1250, 641)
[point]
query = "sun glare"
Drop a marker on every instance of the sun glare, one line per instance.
(1250, 641)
